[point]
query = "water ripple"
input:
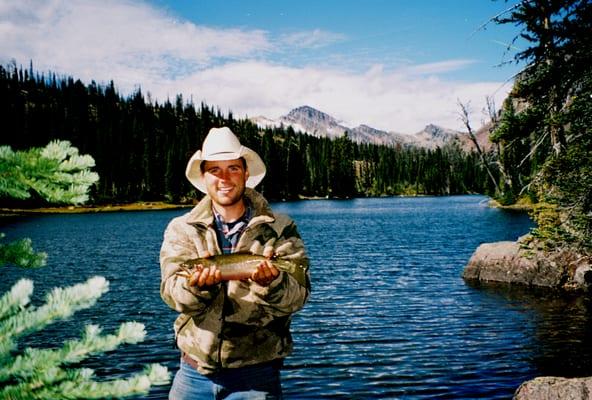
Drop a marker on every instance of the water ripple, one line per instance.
(389, 316)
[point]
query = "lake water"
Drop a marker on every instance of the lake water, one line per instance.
(389, 317)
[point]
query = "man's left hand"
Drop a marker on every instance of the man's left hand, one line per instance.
(265, 273)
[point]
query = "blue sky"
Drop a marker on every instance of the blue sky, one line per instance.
(394, 65)
(362, 33)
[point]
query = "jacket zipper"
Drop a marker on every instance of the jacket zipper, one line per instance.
(222, 321)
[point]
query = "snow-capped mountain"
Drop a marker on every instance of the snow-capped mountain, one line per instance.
(314, 122)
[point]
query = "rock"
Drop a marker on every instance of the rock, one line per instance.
(583, 276)
(508, 262)
(554, 388)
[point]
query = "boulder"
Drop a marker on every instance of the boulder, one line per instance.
(510, 263)
(554, 388)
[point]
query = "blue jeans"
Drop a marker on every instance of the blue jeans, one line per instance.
(247, 383)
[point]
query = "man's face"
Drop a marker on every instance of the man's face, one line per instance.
(225, 181)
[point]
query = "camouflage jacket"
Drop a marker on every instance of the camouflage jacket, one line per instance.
(234, 323)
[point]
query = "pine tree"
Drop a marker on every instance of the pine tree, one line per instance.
(341, 168)
(552, 115)
(58, 174)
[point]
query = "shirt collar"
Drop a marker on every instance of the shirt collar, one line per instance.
(229, 228)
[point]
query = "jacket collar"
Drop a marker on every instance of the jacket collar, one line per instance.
(202, 213)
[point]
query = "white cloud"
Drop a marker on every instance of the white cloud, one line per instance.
(233, 69)
(384, 100)
(313, 39)
(439, 67)
(116, 39)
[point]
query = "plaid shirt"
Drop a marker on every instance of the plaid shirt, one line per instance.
(228, 233)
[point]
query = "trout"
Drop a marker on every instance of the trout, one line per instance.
(239, 266)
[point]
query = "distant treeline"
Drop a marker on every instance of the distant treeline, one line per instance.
(141, 147)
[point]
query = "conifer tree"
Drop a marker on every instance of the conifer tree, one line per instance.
(341, 168)
(58, 174)
(551, 113)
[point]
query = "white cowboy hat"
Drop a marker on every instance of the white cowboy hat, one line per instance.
(221, 144)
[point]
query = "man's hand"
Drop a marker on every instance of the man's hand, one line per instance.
(204, 277)
(265, 273)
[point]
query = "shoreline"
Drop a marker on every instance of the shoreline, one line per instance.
(138, 206)
(160, 205)
(518, 206)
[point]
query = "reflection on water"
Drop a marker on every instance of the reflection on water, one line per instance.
(389, 315)
(560, 343)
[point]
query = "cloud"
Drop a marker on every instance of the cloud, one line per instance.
(439, 67)
(118, 38)
(314, 39)
(385, 100)
(238, 70)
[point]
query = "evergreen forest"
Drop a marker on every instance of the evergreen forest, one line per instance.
(141, 147)
(542, 147)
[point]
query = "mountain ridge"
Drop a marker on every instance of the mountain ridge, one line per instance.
(310, 120)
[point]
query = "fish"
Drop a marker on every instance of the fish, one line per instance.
(240, 266)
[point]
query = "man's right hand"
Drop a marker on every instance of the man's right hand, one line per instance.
(204, 277)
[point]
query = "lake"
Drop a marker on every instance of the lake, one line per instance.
(389, 317)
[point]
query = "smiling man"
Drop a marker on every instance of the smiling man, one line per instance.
(233, 334)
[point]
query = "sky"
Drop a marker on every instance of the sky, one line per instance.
(395, 65)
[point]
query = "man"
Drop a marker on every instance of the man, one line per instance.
(233, 334)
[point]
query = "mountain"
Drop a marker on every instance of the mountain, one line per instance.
(433, 136)
(314, 122)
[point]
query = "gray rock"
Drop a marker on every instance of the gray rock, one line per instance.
(507, 262)
(554, 388)
(583, 275)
